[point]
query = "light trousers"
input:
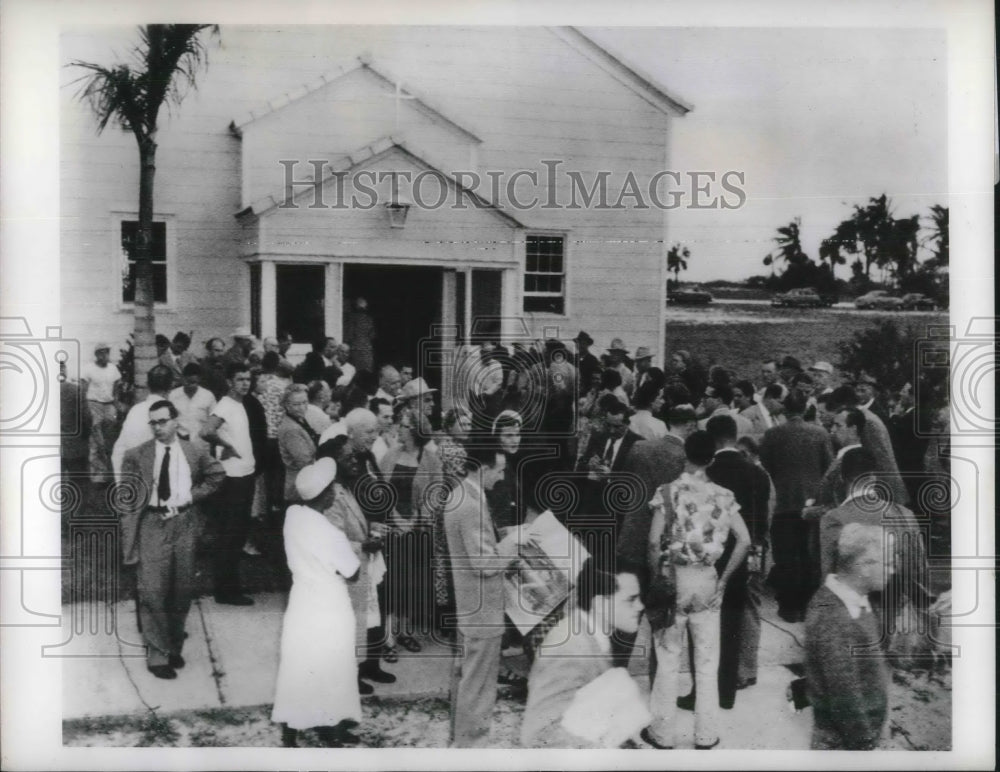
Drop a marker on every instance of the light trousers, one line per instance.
(474, 691)
(695, 588)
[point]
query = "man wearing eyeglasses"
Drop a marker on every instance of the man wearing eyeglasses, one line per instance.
(160, 524)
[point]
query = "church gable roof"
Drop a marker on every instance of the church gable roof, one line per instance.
(379, 73)
(369, 154)
(624, 72)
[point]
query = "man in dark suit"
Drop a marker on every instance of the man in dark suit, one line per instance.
(875, 437)
(606, 454)
(160, 526)
(847, 430)
(795, 454)
(604, 463)
(740, 621)
(177, 356)
(909, 444)
(586, 363)
(870, 397)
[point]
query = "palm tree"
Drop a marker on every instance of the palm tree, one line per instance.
(844, 240)
(938, 236)
(789, 243)
(677, 257)
(167, 57)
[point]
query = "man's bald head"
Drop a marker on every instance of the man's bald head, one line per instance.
(362, 428)
(389, 380)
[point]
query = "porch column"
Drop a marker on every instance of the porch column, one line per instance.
(467, 311)
(268, 300)
(511, 324)
(449, 338)
(333, 301)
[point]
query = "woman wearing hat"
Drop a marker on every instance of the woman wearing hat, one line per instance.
(317, 676)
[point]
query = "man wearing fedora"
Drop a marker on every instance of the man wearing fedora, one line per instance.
(866, 387)
(618, 360)
(822, 375)
(586, 363)
(644, 370)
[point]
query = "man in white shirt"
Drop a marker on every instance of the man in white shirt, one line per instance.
(135, 430)
(320, 395)
(768, 375)
(160, 532)
(384, 440)
(342, 360)
(648, 403)
(194, 403)
(228, 428)
(100, 381)
(388, 384)
(617, 353)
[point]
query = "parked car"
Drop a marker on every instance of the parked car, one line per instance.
(689, 297)
(802, 297)
(879, 299)
(916, 301)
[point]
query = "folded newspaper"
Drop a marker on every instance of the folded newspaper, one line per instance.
(550, 558)
(607, 711)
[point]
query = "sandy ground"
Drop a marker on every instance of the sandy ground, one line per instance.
(919, 719)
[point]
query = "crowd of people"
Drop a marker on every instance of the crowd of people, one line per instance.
(393, 519)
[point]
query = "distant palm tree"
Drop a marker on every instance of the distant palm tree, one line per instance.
(677, 257)
(789, 243)
(939, 236)
(844, 240)
(166, 57)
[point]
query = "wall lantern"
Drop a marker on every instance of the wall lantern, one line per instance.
(398, 205)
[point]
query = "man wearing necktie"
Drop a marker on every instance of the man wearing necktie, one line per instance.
(168, 477)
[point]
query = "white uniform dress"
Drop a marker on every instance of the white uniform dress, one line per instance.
(317, 672)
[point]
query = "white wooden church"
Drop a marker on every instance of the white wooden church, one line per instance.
(441, 173)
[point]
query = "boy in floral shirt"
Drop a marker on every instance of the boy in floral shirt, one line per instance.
(692, 518)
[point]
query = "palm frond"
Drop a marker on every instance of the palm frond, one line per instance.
(164, 66)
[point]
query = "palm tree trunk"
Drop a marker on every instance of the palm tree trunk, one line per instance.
(144, 316)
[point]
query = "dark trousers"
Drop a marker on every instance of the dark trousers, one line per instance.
(734, 602)
(232, 524)
(791, 576)
(166, 579)
(375, 643)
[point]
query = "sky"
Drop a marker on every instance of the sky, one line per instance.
(817, 119)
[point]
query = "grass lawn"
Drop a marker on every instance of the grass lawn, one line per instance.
(740, 336)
